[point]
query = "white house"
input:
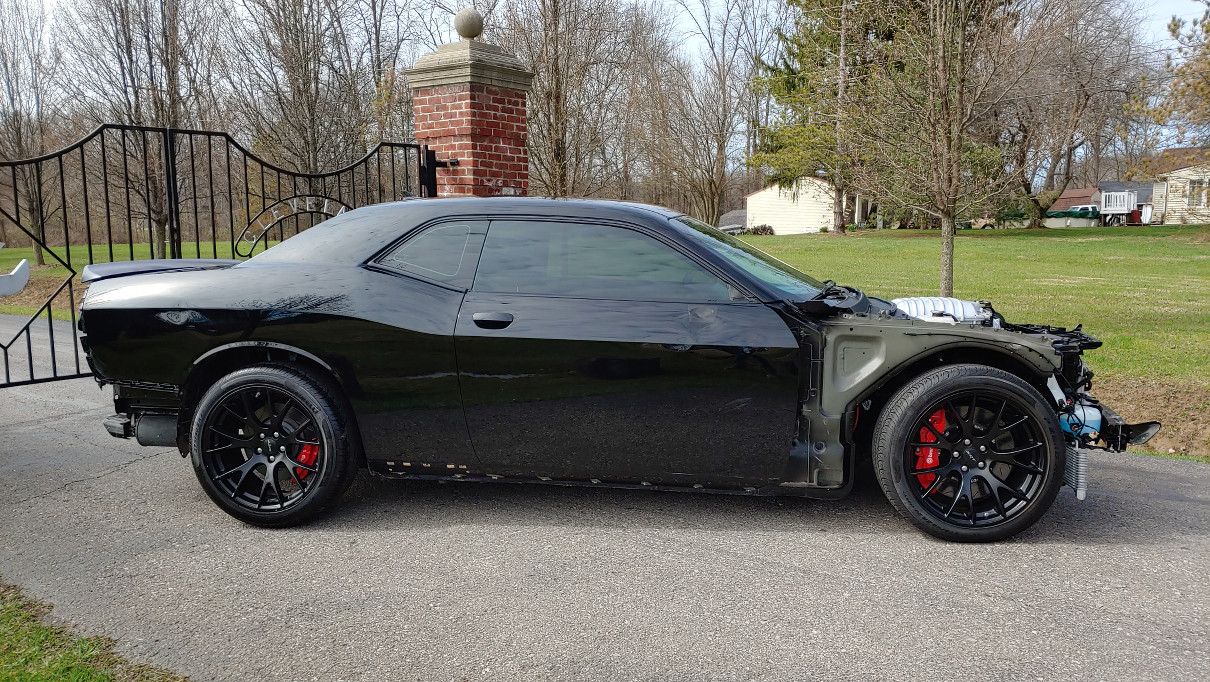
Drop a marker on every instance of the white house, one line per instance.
(1181, 195)
(806, 208)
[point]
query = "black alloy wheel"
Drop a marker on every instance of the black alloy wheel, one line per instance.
(271, 444)
(969, 452)
(983, 467)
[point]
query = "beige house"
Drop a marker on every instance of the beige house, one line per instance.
(805, 208)
(1182, 196)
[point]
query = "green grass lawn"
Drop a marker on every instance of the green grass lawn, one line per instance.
(32, 651)
(1145, 291)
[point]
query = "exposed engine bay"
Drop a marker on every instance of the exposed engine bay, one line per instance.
(865, 341)
(1085, 421)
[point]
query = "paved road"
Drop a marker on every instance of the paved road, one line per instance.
(468, 581)
(20, 339)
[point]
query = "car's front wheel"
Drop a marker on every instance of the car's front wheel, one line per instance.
(969, 453)
(272, 445)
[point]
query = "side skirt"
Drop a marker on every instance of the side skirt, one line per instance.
(458, 473)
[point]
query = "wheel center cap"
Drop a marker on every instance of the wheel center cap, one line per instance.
(970, 454)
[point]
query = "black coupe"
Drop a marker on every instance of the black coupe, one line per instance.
(586, 343)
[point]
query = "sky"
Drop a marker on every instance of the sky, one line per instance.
(1160, 12)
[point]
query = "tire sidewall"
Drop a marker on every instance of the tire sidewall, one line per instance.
(891, 440)
(303, 389)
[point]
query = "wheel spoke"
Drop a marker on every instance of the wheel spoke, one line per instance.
(293, 435)
(942, 441)
(230, 437)
(305, 467)
(302, 488)
(937, 481)
(253, 423)
(264, 487)
(957, 498)
(280, 417)
(1003, 485)
(931, 470)
(246, 471)
(269, 412)
(965, 428)
(272, 473)
(1013, 453)
(995, 495)
(994, 427)
(243, 468)
(1015, 424)
(237, 415)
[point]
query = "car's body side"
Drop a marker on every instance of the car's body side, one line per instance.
(752, 394)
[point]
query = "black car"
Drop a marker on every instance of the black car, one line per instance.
(586, 343)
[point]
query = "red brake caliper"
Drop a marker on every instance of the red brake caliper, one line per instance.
(308, 455)
(927, 458)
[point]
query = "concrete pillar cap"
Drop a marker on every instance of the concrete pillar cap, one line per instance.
(469, 23)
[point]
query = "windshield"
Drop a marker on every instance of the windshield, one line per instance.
(790, 282)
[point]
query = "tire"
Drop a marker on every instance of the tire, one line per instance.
(969, 453)
(280, 419)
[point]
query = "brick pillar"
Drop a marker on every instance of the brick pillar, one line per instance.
(468, 99)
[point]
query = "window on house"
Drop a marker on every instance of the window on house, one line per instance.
(1197, 193)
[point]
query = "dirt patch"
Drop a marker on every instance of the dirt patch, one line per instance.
(1184, 411)
(39, 289)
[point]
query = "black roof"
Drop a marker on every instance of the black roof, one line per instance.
(351, 237)
(1143, 189)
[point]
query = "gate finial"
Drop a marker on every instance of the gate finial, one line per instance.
(469, 23)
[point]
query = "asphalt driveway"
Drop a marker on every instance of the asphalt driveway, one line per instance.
(471, 581)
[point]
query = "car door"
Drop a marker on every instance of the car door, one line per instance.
(408, 399)
(597, 351)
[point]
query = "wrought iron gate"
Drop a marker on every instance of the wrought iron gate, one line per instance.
(136, 192)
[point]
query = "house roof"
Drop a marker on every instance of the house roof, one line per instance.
(1173, 160)
(1074, 196)
(800, 180)
(1141, 189)
(737, 217)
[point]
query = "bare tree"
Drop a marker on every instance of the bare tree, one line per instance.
(147, 63)
(943, 69)
(706, 121)
(28, 64)
(1086, 64)
(577, 49)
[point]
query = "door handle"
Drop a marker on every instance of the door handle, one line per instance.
(492, 320)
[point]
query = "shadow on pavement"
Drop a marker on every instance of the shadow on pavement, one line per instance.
(1107, 517)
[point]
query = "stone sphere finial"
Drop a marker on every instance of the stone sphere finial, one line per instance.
(469, 23)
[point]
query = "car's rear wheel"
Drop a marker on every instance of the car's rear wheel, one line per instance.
(969, 453)
(272, 444)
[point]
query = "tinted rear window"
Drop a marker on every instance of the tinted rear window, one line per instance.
(349, 238)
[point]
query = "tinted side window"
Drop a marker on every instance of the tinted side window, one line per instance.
(591, 261)
(442, 253)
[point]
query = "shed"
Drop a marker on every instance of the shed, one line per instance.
(1076, 196)
(733, 221)
(807, 207)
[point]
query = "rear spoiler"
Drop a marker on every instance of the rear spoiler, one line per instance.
(99, 271)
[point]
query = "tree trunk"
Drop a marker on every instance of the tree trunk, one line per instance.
(947, 254)
(838, 226)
